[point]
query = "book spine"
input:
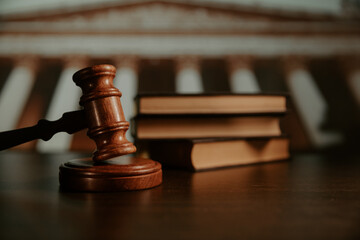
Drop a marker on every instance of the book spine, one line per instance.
(172, 154)
(137, 100)
(133, 127)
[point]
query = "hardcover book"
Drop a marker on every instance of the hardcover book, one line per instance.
(201, 154)
(210, 103)
(205, 126)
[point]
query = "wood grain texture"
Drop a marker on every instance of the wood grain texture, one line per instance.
(116, 174)
(104, 113)
(107, 127)
(314, 196)
(104, 117)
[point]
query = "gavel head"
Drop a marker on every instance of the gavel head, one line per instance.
(103, 110)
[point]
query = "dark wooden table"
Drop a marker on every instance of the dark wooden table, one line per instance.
(313, 196)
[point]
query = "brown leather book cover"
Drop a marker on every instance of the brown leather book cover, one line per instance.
(227, 103)
(209, 126)
(203, 154)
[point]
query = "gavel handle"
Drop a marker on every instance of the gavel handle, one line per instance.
(70, 122)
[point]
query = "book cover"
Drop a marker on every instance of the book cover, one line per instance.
(203, 154)
(210, 103)
(202, 126)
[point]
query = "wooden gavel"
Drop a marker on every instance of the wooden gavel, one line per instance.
(103, 111)
(103, 115)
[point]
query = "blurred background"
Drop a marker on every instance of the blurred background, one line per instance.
(308, 49)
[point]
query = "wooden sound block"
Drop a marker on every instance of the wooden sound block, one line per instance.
(122, 173)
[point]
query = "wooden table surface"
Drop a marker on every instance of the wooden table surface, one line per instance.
(313, 196)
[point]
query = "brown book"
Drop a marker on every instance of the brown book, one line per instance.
(205, 126)
(201, 154)
(210, 103)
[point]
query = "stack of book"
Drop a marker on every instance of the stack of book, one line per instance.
(210, 131)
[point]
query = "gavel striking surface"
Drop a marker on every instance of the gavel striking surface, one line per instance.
(115, 174)
(108, 170)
